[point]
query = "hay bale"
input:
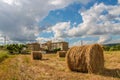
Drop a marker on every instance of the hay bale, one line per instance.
(37, 55)
(88, 58)
(61, 53)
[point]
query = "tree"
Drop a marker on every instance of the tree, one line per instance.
(15, 48)
(106, 48)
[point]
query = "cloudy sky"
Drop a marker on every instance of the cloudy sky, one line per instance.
(92, 21)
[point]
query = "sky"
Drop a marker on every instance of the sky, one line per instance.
(90, 21)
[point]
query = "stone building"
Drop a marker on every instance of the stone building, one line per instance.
(55, 45)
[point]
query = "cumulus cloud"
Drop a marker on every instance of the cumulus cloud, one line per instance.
(104, 39)
(81, 42)
(60, 29)
(63, 2)
(113, 41)
(19, 19)
(1, 39)
(98, 20)
(43, 40)
(118, 1)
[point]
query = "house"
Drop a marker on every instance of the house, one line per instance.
(55, 45)
(33, 46)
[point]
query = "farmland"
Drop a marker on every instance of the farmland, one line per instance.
(22, 67)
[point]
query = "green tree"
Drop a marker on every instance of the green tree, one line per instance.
(106, 48)
(15, 48)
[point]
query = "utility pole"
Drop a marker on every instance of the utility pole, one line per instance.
(81, 42)
(5, 40)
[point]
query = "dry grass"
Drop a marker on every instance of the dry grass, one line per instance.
(21, 67)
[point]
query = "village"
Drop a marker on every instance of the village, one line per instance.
(49, 46)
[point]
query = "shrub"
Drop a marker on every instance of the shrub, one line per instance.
(3, 55)
(112, 47)
(106, 48)
(57, 49)
(15, 48)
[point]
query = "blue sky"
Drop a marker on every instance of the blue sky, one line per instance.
(92, 21)
(71, 13)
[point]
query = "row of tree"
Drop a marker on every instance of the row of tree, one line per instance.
(14, 48)
(112, 48)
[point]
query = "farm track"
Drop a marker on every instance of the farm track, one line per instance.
(22, 67)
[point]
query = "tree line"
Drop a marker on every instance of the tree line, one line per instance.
(112, 47)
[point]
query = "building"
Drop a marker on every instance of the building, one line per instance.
(33, 46)
(55, 45)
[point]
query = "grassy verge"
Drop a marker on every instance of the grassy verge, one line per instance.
(3, 55)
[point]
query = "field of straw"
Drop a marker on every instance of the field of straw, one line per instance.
(22, 67)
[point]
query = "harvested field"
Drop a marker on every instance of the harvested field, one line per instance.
(21, 67)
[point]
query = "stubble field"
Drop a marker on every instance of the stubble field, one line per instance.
(22, 67)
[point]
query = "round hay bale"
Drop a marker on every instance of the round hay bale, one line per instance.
(61, 53)
(37, 55)
(87, 58)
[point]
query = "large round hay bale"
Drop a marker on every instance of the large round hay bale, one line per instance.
(37, 55)
(61, 53)
(87, 58)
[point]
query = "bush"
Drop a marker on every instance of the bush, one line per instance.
(57, 49)
(3, 55)
(112, 47)
(106, 48)
(15, 48)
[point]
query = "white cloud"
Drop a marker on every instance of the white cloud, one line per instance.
(60, 29)
(57, 39)
(118, 1)
(43, 40)
(95, 22)
(19, 19)
(61, 2)
(113, 41)
(82, 42)
(1, 39)
(99, 20)
(56, 2)
(104, 39)
(9, 1)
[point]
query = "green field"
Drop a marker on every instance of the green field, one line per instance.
(22, 67)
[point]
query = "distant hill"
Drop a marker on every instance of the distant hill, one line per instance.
(112, 44)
